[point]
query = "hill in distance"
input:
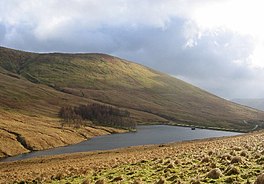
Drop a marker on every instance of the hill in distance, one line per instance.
(257, 103)
(33, 87)
(111, 80)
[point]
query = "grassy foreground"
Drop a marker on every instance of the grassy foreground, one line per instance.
(238, 159)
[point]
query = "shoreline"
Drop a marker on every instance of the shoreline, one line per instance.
(171, 123)
(109, 130)
(20, 156)
(209, 128)
(51, 166)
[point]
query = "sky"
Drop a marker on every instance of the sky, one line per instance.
(217, 45)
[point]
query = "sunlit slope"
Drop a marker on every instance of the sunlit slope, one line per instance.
(126, 84)
(28, 117)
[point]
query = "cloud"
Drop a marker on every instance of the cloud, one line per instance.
(2, 32)
(217, 45)
(217, 63)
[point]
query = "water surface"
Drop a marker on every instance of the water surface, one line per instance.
(154, 134)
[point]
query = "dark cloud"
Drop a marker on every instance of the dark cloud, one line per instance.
(212, 64)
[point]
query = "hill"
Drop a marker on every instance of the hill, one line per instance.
(257, 103)
(125, 84)
(118, 82)
(33, 87)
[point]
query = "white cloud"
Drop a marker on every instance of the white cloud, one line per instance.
(191, 38)
(241, 17)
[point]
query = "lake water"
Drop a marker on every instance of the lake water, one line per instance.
(154, 134)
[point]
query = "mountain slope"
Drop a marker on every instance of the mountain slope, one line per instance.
(257, 103)
(141, 90)
(28, 117)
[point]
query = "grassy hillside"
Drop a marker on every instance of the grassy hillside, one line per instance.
(257, 103)
(21, 133)
(151, 96)
(28, 117)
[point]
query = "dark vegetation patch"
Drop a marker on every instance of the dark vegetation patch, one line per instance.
(99, 114)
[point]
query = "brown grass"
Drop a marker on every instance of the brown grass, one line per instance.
(214, 173)
(40, 133)
(236, 159)
(185, 158)
(260, 179)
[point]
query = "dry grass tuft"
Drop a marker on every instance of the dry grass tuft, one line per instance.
(58, 176)
(214, 173)
(119, 178)
(226, 157)
(170, 166)
(232, 170)
(236, 159)
(161, 181)
(243, 154)
(173, 178)
(138, 181)
(86, 181)
(100, 182)
(260, 179)
(237, 149)
(195, 182)
(257, 155)
(177, 162)
(205, 160)
(210, 152)
(233, 153)
(213, 165)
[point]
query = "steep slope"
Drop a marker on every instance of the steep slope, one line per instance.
(28, 117)
(111, 80)
(257, 103)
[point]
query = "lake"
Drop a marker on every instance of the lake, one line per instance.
(154, 134)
